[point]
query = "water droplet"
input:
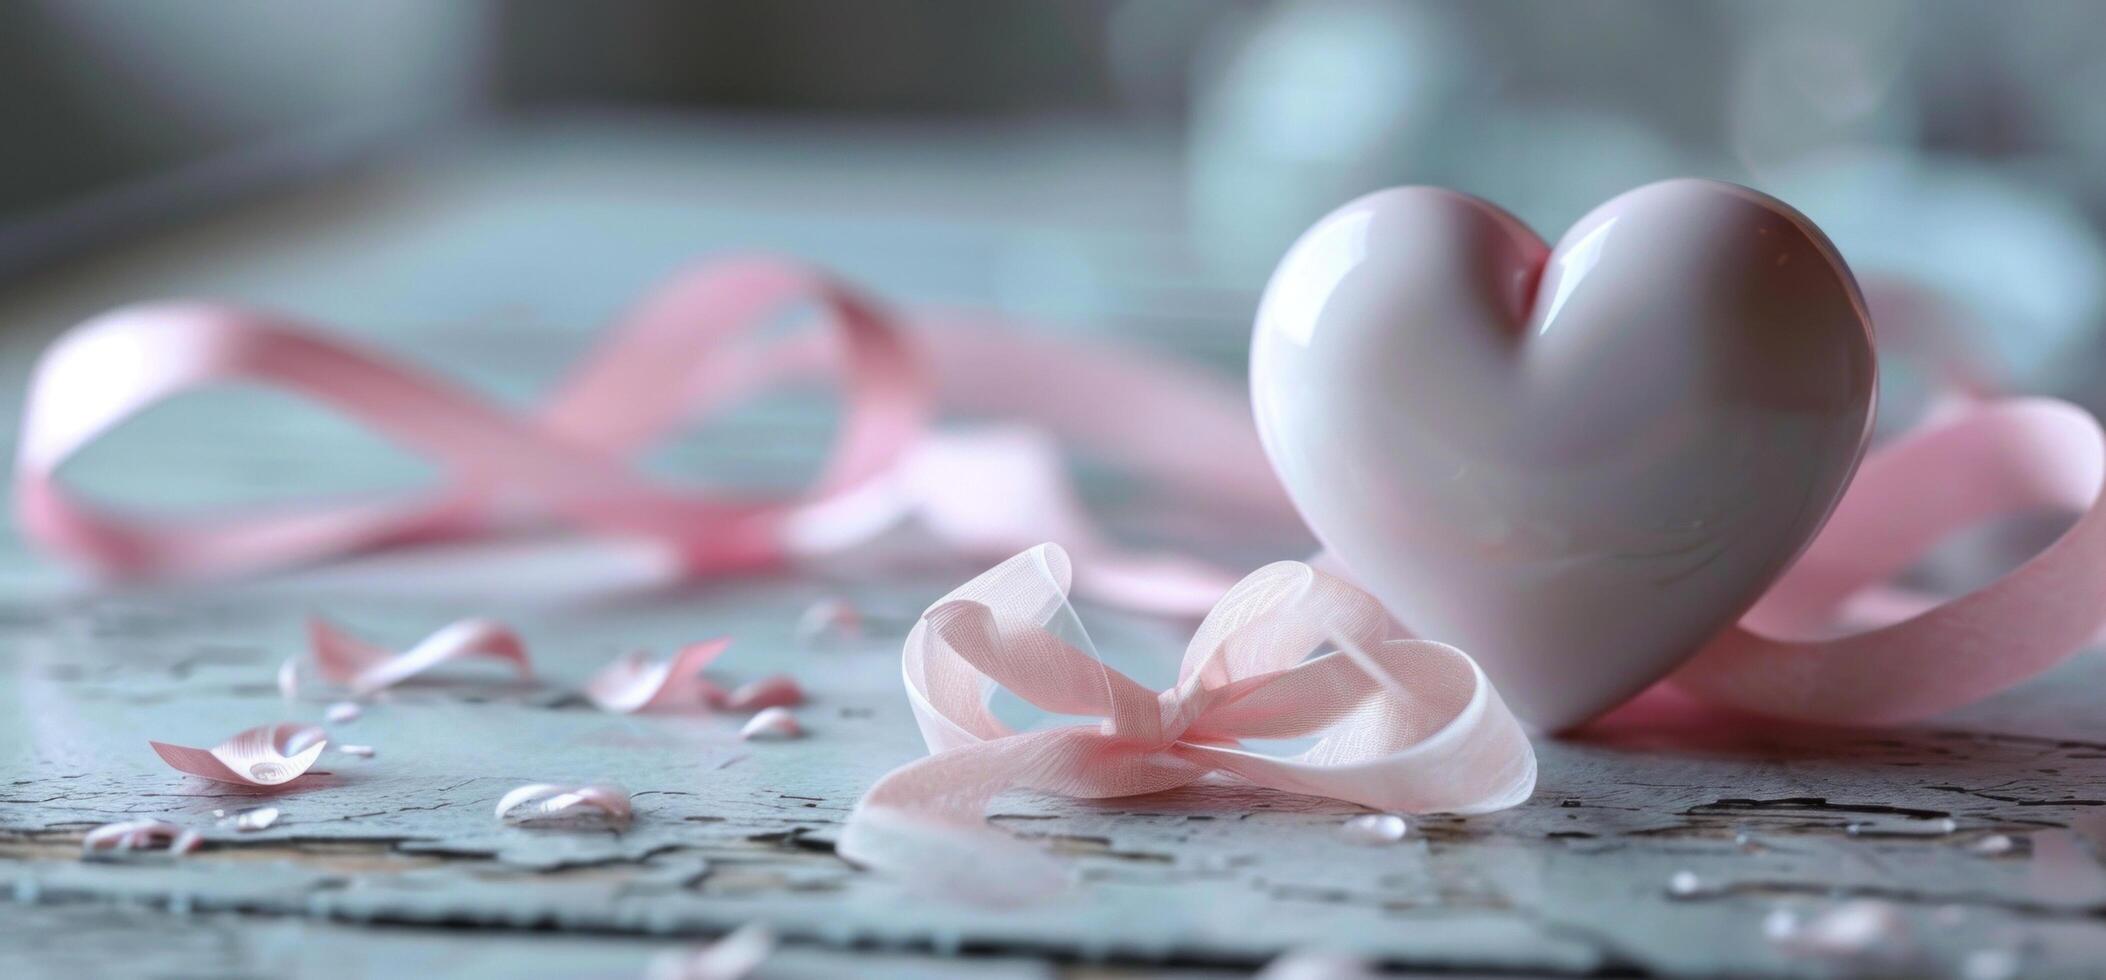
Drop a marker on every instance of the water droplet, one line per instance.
(1780, 924)
(1375, 828)
(361, 751)
(1992, 844)
(1862, 928)
(1684, 884)
(343, 712)
(267, 772)
(247, 821)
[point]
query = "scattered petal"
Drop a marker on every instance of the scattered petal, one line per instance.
(1375, 828)
(361, 751)
(343, 712)
(828, 619)
(142, 835)
(634, 682)
(267, 755)
(580, 807)
(1993, 844)
(771, 724)
(777, 691)
(366, 668)
(1858, 929)
(247, 821)
(730, 958)
(1684, 884)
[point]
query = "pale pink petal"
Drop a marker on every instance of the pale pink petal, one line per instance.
(549, 804)
(365, 668)
(142, 835)
(267, 755)
(775, 691)
(771, 724)
(731, 958)
(634, 682)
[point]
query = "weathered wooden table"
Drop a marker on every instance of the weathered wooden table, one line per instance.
(489, 258)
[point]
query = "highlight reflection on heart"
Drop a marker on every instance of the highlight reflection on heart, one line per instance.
(1577, 463)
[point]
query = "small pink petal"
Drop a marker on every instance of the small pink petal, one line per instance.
(142, 835)
(731, 958)
(770, 725)
(778, 691)
(267, 755)
(549, 803)
(634, 682)
(366, 668)
(343, 712)
(826, 619)
(361, 751)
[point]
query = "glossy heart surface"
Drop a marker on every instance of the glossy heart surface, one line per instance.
(1576, 463)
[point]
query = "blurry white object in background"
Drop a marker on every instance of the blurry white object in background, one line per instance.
(1323, 101)
(1814, 78)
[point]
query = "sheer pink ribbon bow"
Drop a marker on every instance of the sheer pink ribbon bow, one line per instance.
(1402, 724)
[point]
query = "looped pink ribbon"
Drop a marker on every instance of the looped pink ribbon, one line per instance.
(1905, 655)
(566, 456)
(1403, 724)
(692, 347)
(689, 349)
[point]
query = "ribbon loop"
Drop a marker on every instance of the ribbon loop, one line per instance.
(1979, 461)
(1404, 724)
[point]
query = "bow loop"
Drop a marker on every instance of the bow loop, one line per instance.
(1400, 723)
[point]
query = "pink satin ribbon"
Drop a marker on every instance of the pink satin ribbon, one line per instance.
(689, 349)
(1404, 724)
(693, 347)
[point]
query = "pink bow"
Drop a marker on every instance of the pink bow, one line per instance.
(1403, 724)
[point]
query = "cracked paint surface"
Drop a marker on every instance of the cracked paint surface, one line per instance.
(1213, 877)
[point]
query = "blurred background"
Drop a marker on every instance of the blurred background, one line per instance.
(1956, 143)
(443, 176)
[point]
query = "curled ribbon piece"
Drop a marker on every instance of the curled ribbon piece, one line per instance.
(1402, 724)
(635, 682)
(142, 835)
(548, 804)
(265, 756)
(366, 668)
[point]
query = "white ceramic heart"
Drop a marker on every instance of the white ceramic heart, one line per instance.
(1576, 463)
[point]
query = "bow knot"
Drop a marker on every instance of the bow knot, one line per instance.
(1399, 724)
